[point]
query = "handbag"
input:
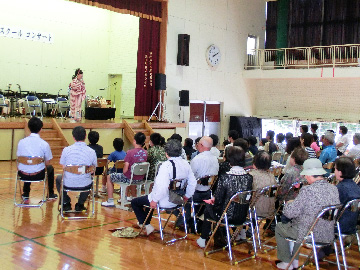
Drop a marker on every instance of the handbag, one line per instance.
(175, 194)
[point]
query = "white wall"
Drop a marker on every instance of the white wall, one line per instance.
(98, 41)
(225, 23)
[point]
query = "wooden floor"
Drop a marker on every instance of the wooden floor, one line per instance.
(33, 238)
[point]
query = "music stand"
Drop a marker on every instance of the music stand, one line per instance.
(162, 112)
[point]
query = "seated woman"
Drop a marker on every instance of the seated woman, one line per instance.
(265, 206)
(303, 211)
(156, 153)
(306, 140)
(228, 184)
(292, 175)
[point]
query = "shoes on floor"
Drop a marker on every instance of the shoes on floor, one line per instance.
(52, 197)
(66, 207)
(149, 229)
(103, 189)
(108, 204)
(201, 242)
(80, 207)
(283, 265)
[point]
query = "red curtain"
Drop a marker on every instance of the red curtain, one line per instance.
(146, 97)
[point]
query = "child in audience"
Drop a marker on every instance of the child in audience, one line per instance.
(306, 140)
(118, 154)
(93, 138)
(279, 143)
(262, 143)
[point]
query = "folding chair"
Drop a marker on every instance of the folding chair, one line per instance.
(101, 163)
(33, 102)
(276, 156)
(353, 206)
(285, 158)
(63, 106)
(151, 181)
(78, 170)
(32, 160)
(211, 180)
(141, 168)
(276, 171)
(329, 214)
(269, 192)
(179, 208)
(4, 105)
(241, 198)
(329, 165)
(119, 164)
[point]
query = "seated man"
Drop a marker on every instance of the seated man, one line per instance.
(329, 153)
(160, 191)
(77, 154)
(355, 151)
(136, 155)
(33, 145)
(303, 211)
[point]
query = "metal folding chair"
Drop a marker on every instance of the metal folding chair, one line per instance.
(211, 180)
(241, 198)
(353, 206)
(285, 158)
(276, 156)
(269, 192)
(63, 106)
(78, 170)
(4, 105)
(101, 163)
(329, 165)
(328, 213)
(32, 160)
(32, 103)
(151, 181)
(141, 168)
(179, 208)
(276, 171)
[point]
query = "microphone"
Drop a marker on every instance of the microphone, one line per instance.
(102, 89)
(115, 83)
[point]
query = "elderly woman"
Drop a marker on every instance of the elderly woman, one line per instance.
(156, 153)
(160, 191)
(228, 184)
(303, 211)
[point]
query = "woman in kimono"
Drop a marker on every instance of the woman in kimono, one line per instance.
(77, 94)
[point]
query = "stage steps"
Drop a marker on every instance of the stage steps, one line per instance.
(132, 128)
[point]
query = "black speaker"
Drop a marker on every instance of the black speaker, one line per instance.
(184, 98)
(183, 50)
(160, 81)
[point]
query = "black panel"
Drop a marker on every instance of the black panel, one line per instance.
(183, 50)
(246, 126)
(184, 98)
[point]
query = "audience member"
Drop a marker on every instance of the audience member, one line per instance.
(214, 150)
(232, 136)
(292, 144)
(234, 181)
(262, 143)
(156, 154)
(288, 136)
(304, 129)
(303, 211)
(344, 141)
(244, 145)
(279, 143)
(253, 148)
(136, 155)
(270, 146)
(328, 154)
(178, 137)
(188, 147)
(313, 128)
(315, 144)
(160, 192)
(197, 140)
(93, 138)
(78, 153)
(355, 151)
(33, 145)
(306, 140)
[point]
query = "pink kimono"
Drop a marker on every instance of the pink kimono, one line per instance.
(77, 95)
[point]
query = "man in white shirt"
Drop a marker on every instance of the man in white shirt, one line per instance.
(214, 150)
(33, 145)
(355, 151)
(160, 192)
(343, 142)
(232, 136)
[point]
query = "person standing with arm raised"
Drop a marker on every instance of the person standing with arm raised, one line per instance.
(77, 94)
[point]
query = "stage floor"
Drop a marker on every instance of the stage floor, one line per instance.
(34, 238)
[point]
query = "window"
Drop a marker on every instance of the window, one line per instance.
(251, 44)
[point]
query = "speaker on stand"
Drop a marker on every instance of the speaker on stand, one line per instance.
(183, 101)
(160, 85)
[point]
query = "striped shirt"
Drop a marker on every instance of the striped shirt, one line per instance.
(33, 145)
(78, 154)
(311, 152)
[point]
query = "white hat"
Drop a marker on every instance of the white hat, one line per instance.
(313, 166)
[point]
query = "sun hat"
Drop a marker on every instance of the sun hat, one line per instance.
(313, 166)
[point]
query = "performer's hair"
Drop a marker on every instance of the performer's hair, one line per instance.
(78, 71)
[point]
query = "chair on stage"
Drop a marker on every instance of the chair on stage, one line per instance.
(240, 198)
(4, 105)
(141, 168)
(180, 209)
(210, 181)
(328, 213)
(101, 170)
(78, 170)
(353, 206)
(151, 181)
(63, 106)
(33, 160)
(32, 104)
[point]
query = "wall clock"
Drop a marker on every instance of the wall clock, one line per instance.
(213, 55)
